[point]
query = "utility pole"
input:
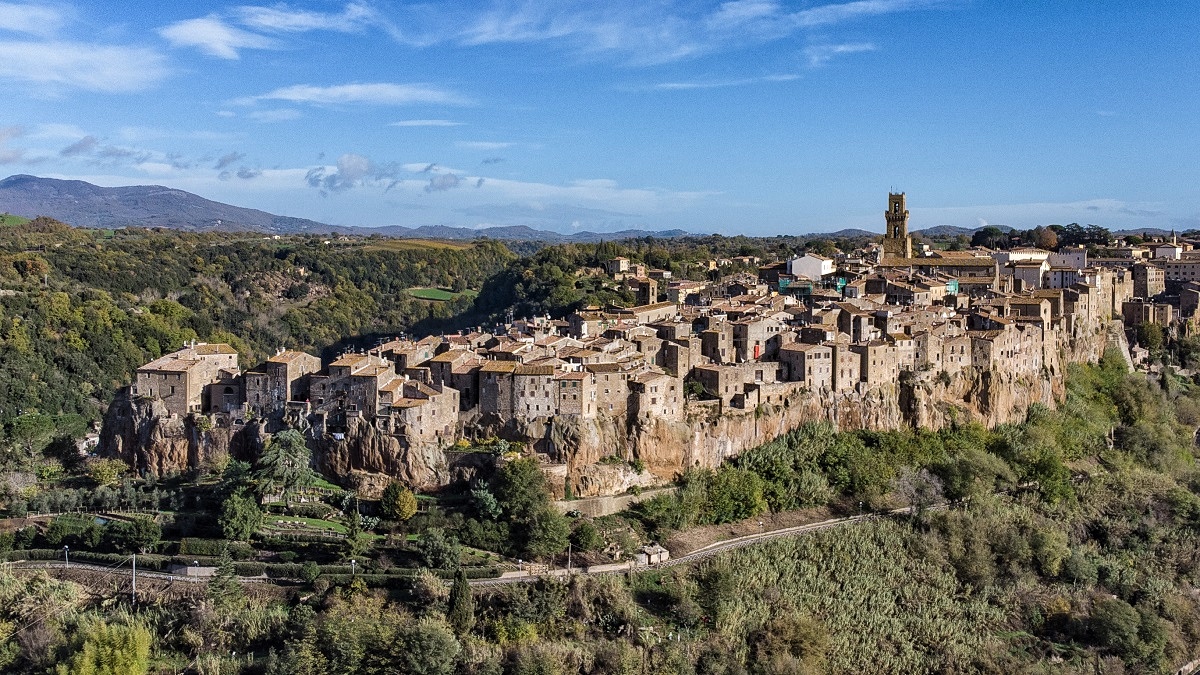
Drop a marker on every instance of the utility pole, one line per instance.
(133, 593)
(568, 558)
(66, 556)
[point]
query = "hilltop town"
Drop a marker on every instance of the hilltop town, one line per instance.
(697, 371)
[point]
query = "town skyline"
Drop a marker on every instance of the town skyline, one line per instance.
(747, 117)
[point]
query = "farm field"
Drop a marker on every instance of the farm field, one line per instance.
(438, 294)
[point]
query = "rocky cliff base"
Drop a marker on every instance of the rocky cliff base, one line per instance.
(601, 456)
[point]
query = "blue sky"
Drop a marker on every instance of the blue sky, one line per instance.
(749, 116)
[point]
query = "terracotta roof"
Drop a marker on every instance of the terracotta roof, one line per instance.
(534, 370)
(287, 356)
(499, 366)
(216, 348)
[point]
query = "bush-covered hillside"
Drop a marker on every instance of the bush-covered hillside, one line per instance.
(81, 309)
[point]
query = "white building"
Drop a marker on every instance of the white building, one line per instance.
(811, 266)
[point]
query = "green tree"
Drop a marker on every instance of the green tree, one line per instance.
(109, 649)
(735, 494)
(460, 611)
(437, 549)
(1114, 624)
(240, 517)
(138, 535)
(224, 588)
(547, 534)
(284, 465)
(107, 471)
(398, 502)
(1150, 336)
(31, 432)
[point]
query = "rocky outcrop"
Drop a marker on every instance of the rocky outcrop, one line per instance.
(592, 457)
(363, 450)
(141, 432)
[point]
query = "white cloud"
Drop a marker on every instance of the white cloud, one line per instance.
(56, 131)
(276, 115)
(282, 19)
(82, 66)
(378, 93)
(483, 145)
(717, 84)
(838, 13)
(819, 55)
(662, 32)
(425, 123)
(9, 155)
(31, 19)
(214, 37)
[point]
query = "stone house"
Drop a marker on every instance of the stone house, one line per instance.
(612, 388)
(420, 412)
(281, 378)
(576, 394)
(656, 395)
(534, 392)
(808, 363)
(879, 363)
(181, 379)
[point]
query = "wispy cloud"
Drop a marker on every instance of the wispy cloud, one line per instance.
(9, 155)
(826, 15)
(281, 18)
(652, 33)
(229, 159)
(819, 55)
(274, 115)
(375, 93)
(212, 36)
(717, 84)
(483, 145)
(77, 65)
(426, 123)
(32, 19)
(83, 146)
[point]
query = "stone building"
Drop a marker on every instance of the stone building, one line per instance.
(1150, 280)
(656, 395)
(281, 378)
(181, 379)
(808, 363)
(896, 242)
(576, 393)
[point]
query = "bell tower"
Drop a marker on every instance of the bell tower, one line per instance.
(896, 242)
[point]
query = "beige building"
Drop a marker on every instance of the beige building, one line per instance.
(181, 379)
(282, 378)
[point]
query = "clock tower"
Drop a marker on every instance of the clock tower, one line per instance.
(896, 242)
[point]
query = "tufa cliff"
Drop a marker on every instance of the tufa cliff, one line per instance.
(592, 457)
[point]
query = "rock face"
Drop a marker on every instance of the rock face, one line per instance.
(367, 453)
(595, 457)
(141, 432)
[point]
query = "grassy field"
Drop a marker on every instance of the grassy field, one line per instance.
(10, 219)
(415, 245)
(439, 294)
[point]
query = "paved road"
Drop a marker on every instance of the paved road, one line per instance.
(695, 556)
(514, 577)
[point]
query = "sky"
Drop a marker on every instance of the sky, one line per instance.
(744, 117)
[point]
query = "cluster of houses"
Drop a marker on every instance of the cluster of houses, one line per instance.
(842, 326)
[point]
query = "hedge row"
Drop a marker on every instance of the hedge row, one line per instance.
(144, 561)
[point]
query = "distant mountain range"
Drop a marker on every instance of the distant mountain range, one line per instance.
(82, 204)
